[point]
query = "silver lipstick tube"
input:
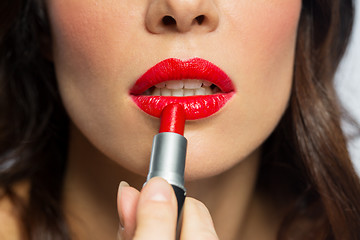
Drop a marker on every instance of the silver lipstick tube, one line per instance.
(168, 158)
(168, 162)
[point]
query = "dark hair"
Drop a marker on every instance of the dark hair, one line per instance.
(33, 123)
(307, 151)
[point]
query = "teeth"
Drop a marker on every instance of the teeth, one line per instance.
(189, 92)
(182, 92)
(208, 91)
(200, 91)
(177, 92)
(165, 92)
(179, 88)
(187, 84)
(160, 85)
(174, 84)
(192, 84)
(206, 83)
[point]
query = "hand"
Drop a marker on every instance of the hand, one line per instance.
(152, 214)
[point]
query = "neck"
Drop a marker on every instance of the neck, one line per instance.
(91, 186)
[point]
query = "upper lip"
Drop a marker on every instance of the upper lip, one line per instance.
(176, 69)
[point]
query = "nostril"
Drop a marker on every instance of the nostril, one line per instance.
(200, 19)
(168, 20)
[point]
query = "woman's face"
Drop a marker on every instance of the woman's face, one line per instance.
(101, 48)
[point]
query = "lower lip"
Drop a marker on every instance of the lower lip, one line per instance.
(196, 107)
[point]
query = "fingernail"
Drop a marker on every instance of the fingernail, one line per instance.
(121, 186)
(158, 190)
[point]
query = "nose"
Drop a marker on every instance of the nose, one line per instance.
(181, 16)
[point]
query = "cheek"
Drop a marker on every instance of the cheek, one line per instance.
(266, 37)
(87, 37)
(92, 42)
(91, 39)
(273, 40)
(262, 21)
(264, 32)
(268, 42)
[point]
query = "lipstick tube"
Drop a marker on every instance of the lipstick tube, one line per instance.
(169, 151)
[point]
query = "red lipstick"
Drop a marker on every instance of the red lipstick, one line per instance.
(169, 151)
(173, 119)
(195, 107)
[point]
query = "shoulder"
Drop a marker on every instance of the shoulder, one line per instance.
(9, 225)
(9, 221)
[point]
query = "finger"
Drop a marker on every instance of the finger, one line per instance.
(127, 203)
(156, 212)
(197, 221)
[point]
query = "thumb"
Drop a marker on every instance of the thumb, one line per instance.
(156, 212)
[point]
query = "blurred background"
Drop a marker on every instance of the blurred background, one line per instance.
(348, 85)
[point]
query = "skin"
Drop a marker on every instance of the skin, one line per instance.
(100, 48)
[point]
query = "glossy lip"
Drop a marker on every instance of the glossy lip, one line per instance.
(196, 107)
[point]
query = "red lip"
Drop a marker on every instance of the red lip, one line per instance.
(195, 107)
